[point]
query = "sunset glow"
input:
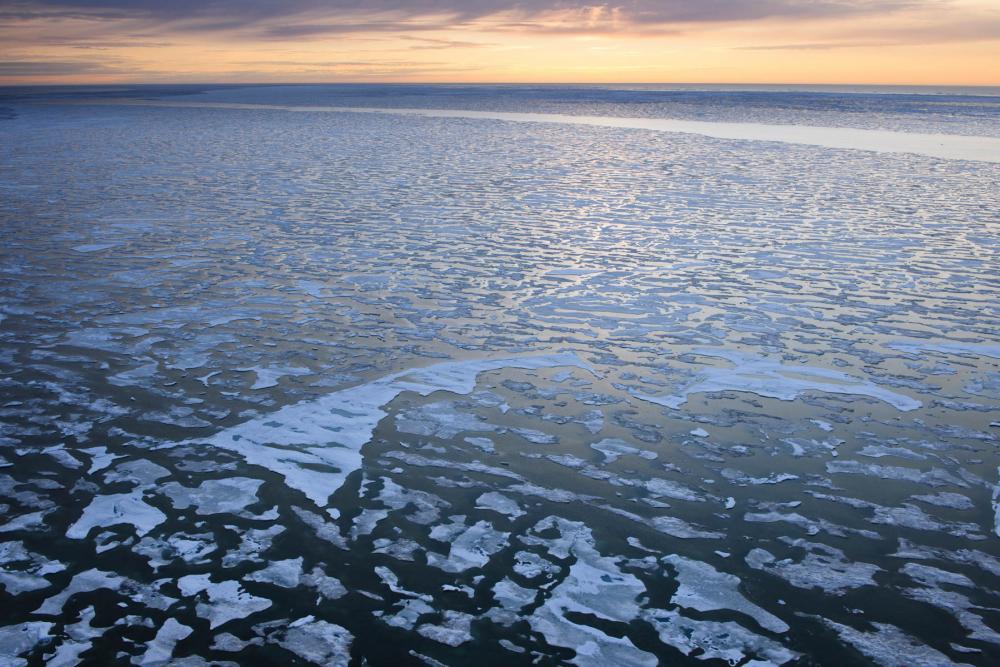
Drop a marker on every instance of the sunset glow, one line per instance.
(776, 41)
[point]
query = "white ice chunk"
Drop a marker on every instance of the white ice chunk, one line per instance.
(703, 588)
(226, 600)
(317, 642)
(161, 649)
(996, 506)
(16, 640)
(471, 546)
(29, 574)
(891, 647)
(944, 146)
(775, 380)
(93, 247)
(105, 511)
(284, 573)
(594, 586)
(613, 448)
(915, 345)
(823, 567)
(717, 640)
(499, 503)
(315, 445)
(215, 496)
(453, 630)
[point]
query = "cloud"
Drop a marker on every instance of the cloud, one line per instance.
(430, 44)
(34, 68)
(304, 18)
(943, 32)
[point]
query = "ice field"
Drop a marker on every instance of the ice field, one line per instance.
(290, 377)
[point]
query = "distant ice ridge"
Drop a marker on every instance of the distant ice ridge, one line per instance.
(315, 445)
(914, 346)
(944, 146)
(775, 380)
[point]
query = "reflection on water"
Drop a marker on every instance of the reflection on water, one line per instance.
(407, 389)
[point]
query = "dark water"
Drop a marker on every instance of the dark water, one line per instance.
(351, 387)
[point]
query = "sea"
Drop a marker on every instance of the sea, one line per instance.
(371, 374)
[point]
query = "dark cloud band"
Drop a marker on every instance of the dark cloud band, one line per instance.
(285, 18)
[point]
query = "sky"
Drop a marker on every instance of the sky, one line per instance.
(953, 42)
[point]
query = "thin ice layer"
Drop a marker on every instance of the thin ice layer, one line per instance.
(775, 380)
(315, 445)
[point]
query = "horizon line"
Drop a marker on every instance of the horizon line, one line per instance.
(497, 83)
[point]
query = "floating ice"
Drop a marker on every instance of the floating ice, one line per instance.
(947, 499)
(996, 507)
(453, 630)
(441, 419)
(192, 549)
(594, 586)
(329, 587)
(613, 448)
(315, 641)
(284, 573)
(889, 646)
(30, 575)
(94, 579)
(823, 567)
(914, 345)
(100, 458)
(215, 496)
(93, 247)
(161, 649)
(118, 508)
(226, 601)
(471, 546)
(716, 640)
(30, 521)
(484, 444)
(315, 445)
(269, 376)
(253, 541)
(140, 471)
(512, 596)
(677, 527)
(16, 640)
(499, 503)
(960, 606)
(775, 380)
(79, 638)
(410, 612)
(934, 477)
(945, 146)
(703, 588)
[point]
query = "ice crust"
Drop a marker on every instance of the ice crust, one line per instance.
(703, 588)
(315, 445)
(954, 147)
(776, 380)
(127, 508)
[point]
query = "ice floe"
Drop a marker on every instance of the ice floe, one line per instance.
(215, 496)
(315, 641)
(223, 602)
(161, 648)
(471, 546)
(128, 508)
(703, 588)
(317, 444)
(773, 379)
(822, 567)
(594, 586)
